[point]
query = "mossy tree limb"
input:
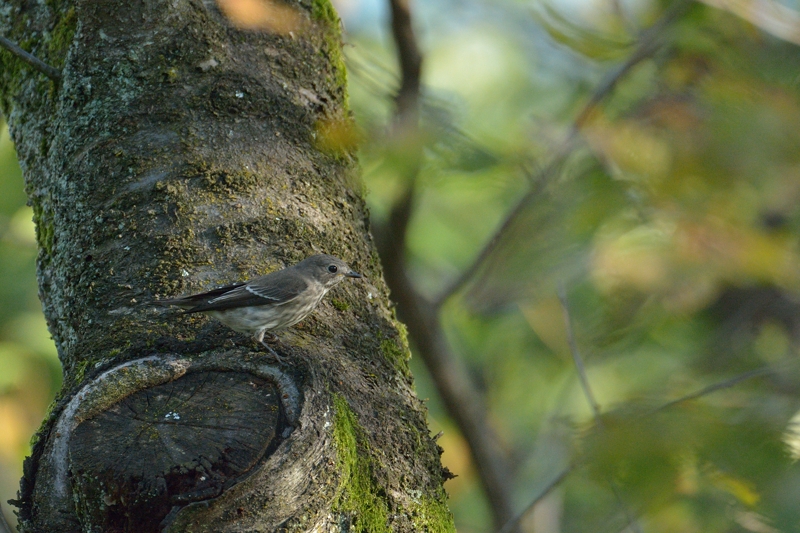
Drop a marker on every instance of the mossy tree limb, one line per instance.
(178, 153)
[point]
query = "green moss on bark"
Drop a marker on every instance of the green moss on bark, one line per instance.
(51, 47)
(396, 350)
(61, 38)
(432, 516)
(359, 498)
(45, 231)
(323, 12)
(11, 76)
(341, 305)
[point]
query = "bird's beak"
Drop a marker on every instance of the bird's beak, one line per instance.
(353, 274)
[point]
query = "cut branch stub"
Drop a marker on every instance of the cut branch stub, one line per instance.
(149, 437)
(166, 446)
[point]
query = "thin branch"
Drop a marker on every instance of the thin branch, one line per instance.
(647, 45)
(547, 489)
(728, 383)
(587, 391)
(5, 527)
(452, 380)
(576, 356)
(448, 371)
(561, 476)
(759, 372)
(771, 16)
(541, 178)
(35, 62)
(631, 521)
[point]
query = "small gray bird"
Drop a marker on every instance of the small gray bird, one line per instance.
(272, 302)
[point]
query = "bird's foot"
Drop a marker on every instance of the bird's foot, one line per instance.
(280, 359)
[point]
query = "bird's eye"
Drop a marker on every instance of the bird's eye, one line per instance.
(333, 269)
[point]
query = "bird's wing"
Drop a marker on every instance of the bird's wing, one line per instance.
(279, 287)
(192, 300)
(273, 289)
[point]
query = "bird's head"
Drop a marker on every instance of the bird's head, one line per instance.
(327, 269)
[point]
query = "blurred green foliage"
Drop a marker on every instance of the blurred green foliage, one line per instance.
(29, 369)
(673, 223)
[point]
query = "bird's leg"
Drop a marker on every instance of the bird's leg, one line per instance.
(279, 358)
(271, 337)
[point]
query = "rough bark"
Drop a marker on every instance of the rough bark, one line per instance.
(176, 154)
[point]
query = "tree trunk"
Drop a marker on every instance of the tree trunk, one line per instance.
(176, 154)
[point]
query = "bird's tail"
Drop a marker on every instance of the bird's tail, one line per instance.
(183, 303)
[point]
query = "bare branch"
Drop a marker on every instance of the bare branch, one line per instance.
(547, 489)
(450, 376)
(448, 372)
(587, 391)
(35, 62)
(5, 527)
(726, 384)
(561, 476)
(576, 356)
(410, 59)
(648, 44)
(406, 135)
(452, 380)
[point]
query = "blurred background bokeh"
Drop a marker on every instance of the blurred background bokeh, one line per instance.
(30, 373)
(650, 153)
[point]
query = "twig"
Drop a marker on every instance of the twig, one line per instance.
(538, 185)
(576, 356)
(759, 372)
(547, 489)
(421, 316)
(728, 383)
(5, 527)
(693, 396)
(35, 62)
(619, 11)
(587, 391)
(647, 46)
(448, 371)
